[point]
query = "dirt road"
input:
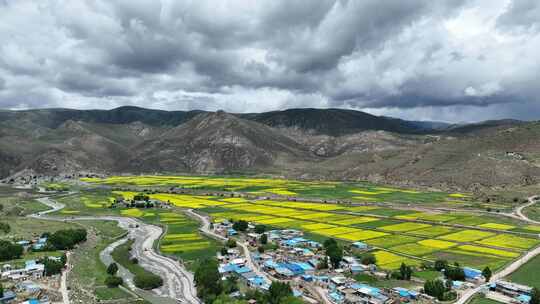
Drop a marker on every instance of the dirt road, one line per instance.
(521, 215)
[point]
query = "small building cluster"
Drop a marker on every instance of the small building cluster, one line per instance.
(515, 293)
(22, 284)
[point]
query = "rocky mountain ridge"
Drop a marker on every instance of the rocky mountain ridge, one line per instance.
(299, 143)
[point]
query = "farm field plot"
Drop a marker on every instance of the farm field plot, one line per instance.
(509, 241)
(404, 227)
(388, 260)
(468, 258)
(497, 226)
(361, 235)
(433, 231)
(426, 216)
(413, 249)
(491, 251)
(467, 236)
(392, 240)
(437, 244)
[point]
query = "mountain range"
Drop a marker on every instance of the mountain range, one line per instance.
(299, 143)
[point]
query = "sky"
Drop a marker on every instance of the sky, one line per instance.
(451, 60)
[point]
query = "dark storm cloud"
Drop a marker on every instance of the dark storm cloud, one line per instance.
(266, 55)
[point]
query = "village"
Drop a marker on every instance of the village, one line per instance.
(32, 281)
(287, 256)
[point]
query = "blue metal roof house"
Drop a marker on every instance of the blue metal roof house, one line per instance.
(305, 266)
(8, 296)
(524, 299)
(286, 272)
(471, 273)
(294, 268)
(231, 231)
(271, 264)
(405, 293)
(360, 245)
(336, 297)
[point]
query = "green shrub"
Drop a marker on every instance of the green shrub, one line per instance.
(148, 281)
(113, 281)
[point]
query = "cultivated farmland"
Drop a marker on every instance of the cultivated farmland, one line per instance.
(397, 234)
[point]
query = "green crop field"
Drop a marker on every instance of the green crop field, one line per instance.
(481, 300)
(528, 274)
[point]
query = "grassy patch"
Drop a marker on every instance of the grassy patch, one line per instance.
(121, 255)
(89, 272)
(427, 274)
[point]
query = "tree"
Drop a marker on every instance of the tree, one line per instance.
(441, 264)
(277, 292)
(113, 281)
(454, 273)
(10, 251)
(5, 227)
(112, 269)
(405, 272)
(1, 290)
(147, 281)
(223, 251)
(335, 253)
(487, 273)
(208, 280)
(260, 229)
(52, 267)
(535, 296)
(230, 285)
(435, 288)
(329, 243)
(368, 259)
(264, 239)
(231, 243)
(66, 239)
(260, 249)
(240, 225)
(323, 264)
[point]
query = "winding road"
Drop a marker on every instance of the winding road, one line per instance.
(178, 283)
(466, 297)
(521, 215)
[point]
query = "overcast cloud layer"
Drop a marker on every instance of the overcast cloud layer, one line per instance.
(416, 59)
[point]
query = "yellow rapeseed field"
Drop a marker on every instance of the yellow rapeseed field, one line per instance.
(437, 244)
(498, 252)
